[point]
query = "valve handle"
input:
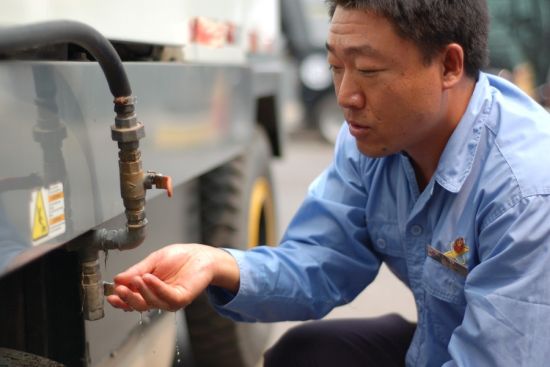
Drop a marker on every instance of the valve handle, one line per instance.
(165, 183)
(160, 181)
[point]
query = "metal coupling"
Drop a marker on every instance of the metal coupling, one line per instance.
(132, 175)
(127, 128)
(92, 289)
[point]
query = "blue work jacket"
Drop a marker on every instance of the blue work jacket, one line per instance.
(473, 246)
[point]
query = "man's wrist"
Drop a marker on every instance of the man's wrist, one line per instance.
(226, 271)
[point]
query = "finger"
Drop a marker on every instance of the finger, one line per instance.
(146, 265)
(132, 299)
(149, 295)
(117, 302)
(175, 297)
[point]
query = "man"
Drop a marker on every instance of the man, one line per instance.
(440, 171)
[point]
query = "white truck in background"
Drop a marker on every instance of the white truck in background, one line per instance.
(196, 90)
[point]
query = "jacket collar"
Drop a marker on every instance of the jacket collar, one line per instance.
(457, 158)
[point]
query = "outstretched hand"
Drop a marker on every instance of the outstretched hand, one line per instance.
(172, 277)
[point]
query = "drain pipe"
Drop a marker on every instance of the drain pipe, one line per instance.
(127, 131)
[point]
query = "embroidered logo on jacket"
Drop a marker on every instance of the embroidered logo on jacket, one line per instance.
(455, 258)
(458, 251)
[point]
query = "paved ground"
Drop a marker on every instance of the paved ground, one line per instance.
(305, 157)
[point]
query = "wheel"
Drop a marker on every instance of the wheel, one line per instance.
(237, 210)
(329, 117)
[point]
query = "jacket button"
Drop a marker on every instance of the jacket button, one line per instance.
(381, 243)
(416, 230)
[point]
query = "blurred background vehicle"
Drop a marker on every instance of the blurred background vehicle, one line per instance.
(519, 44)
(305, 25)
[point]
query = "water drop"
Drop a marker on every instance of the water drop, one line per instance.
(141, 318)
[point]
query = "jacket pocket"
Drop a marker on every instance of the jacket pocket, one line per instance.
(443, 283)
(444, 302)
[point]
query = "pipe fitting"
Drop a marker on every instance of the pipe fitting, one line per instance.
(120, 239)
(92, 290)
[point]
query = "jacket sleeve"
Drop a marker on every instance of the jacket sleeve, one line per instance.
(506, 322)
(324, 259)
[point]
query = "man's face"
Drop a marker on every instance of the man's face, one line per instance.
(391, 99)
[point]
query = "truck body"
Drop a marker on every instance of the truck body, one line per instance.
(206, 81)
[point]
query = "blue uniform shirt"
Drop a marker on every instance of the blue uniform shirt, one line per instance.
(483, 294)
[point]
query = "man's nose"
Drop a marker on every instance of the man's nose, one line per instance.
(349, 93)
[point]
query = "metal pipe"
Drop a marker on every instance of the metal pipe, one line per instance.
(92, 290)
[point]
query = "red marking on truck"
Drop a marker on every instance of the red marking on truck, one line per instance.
(214, 33)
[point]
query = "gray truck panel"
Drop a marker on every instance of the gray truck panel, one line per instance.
(195, 118)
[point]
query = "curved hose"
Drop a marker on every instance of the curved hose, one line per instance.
(25, 37)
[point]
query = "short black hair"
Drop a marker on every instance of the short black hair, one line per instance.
(433, 24)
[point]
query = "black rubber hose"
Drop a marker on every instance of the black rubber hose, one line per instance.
(25, 37)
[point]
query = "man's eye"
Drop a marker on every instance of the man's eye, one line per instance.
(369, 72)
(334, 69)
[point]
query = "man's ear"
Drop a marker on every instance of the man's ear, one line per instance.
(452, 65)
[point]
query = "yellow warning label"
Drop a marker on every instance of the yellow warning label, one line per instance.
(40, 227)
(47, 213)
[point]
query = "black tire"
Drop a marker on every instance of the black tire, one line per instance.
(237, 210)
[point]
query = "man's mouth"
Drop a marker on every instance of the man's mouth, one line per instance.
(358, 130)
